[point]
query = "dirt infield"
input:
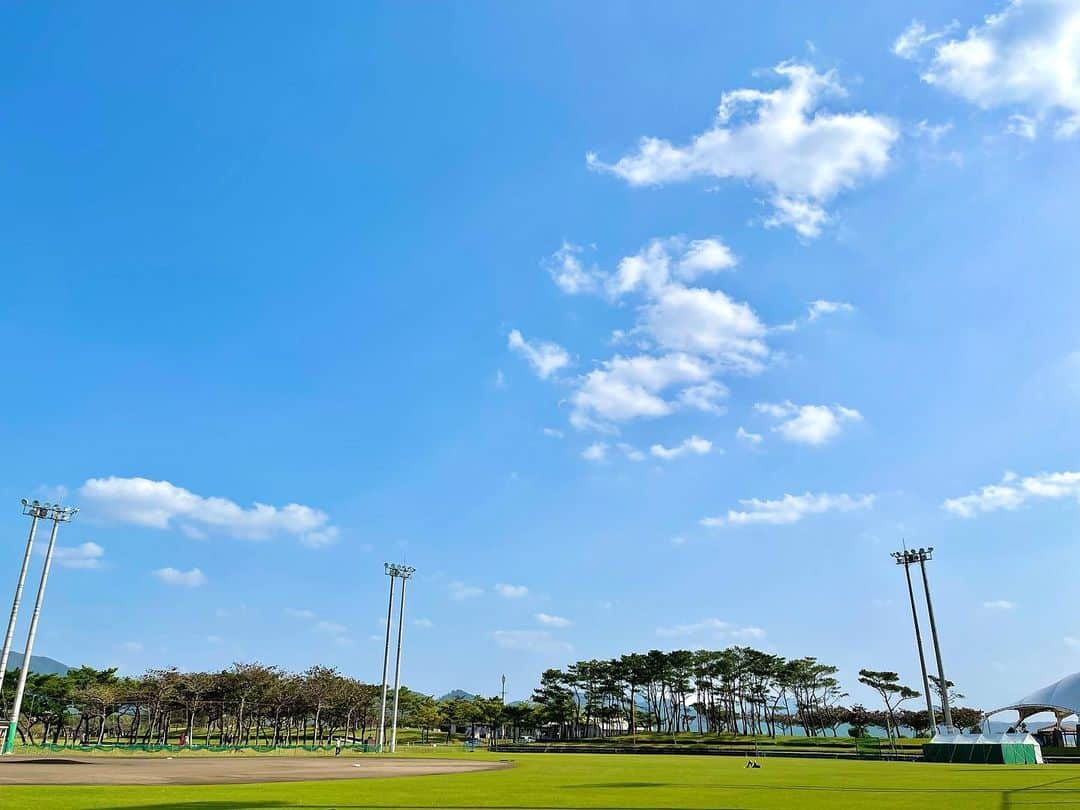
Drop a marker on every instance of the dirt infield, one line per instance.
(214, 771)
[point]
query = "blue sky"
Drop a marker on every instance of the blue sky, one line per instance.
(410, 277)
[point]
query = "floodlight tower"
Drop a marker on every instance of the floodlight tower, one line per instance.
(57, 514)
(922, 555)
(403, 572)
(381, 736)
(35, 511)
(905, 559)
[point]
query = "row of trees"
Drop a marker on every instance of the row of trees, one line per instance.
(248, 704)
(738, 690)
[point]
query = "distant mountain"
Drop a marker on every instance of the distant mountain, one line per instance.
(39, 664)
(459, 694)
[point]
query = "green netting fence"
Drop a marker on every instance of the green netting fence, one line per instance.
(155, 748)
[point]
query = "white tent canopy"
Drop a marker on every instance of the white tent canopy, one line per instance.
(1061, 697)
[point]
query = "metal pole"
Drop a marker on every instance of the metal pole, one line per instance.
(937, 647)
(15, 605)
(385, 661)
(918, 642)
(397, 665)
(9, 740)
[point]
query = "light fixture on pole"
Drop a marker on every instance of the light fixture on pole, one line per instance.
(57, 514)
(35, 511)
(905, 559)
(403, 572)
(922, 555)
(381, 736)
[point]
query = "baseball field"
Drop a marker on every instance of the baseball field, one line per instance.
(528, 781)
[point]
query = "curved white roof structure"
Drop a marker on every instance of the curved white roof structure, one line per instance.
(1061, 697)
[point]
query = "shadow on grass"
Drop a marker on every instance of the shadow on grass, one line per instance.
(620, 785)
(368, 806)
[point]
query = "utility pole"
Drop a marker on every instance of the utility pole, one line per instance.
(36, 511)
(381, 736)
(57, 514)
(403, 572)
(905, 559)
(924, 554)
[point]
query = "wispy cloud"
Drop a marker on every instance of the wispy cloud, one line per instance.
(511, 591)
(162, 505)
(1014, 492)
(187, 579)
(459, 591)
(713, 628)
(540, 641)
(780, 140)
(789, 509)
(552, 621)
(812, 425)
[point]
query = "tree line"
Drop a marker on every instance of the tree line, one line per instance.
(738, 690)
(247, 704)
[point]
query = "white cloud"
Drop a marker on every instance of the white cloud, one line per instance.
(809, 424)
(999, 604)
(459, 591)
(596, 452)
(819, 308)
(1071, 641)
(213, 639)
(915, 37)
(694, 444)
(426, 624)
(782, 141)
(626, 388)
(630, 452)
(321, 537)
(530, 641)
(708, 323)
(300, 613)
(714, 628)
(705, 256)
(511, 591)
(1013, 492)
(1025, 57)
(748, 438)
(933, 132)
(160, 504)
(85, 555)
(569, 274)
(686, 336)
(789, 509)
(677, 541)
(705, 397)
(553, 433)
(1023, 126)
(552, 621)
(187, 579)
(324, 626)
(546, 358)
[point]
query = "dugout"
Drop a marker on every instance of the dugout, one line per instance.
(984, 749)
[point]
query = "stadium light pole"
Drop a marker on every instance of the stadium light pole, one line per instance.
(381, 737)
(57, 514)
(922, 555)
(904, 558)
(403, 573)
(36, 511)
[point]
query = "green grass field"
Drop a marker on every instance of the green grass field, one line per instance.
(612, 781)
